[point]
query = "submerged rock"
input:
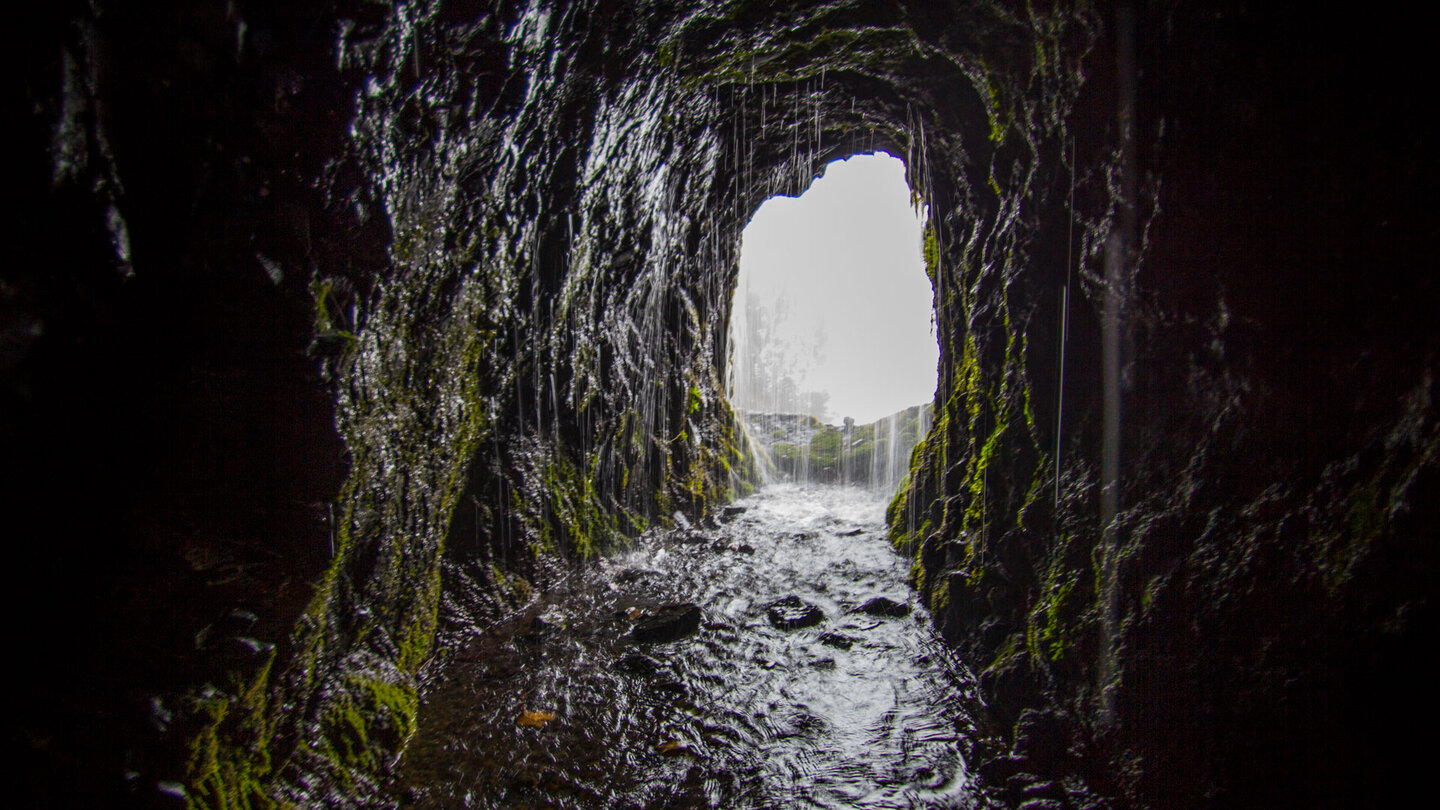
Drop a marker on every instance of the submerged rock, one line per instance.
(729, 513)
(639, 664)
(882, 606)
(666, 623)
(689, 538)
(791, 613)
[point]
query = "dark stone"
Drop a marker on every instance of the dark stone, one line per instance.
(1027, 786)
(533, 629)
(1042, 738)
(631, 575)
(882, 606)
(729, 513)
(998, 771)
(235, 623)
(1042, 804)
(791, 613)
(1043, 789)
(639, 664)
(675, 688)
(667, 623)
(836, 640)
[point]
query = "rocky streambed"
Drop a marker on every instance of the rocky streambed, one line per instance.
(774, 659)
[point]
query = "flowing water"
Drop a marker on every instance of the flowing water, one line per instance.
(562, 706)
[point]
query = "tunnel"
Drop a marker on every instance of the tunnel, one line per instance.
(330, 327)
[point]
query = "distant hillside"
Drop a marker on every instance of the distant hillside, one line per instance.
(802, 449)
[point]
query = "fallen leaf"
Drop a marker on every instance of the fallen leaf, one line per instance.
(672, 747)
(535, 719)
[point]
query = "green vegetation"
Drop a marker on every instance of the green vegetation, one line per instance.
(330, 322)
(572, 512)
(1045, 633)
(368, 721)
(962, 487)
(805, 55)
(931, 253)
(229, 759)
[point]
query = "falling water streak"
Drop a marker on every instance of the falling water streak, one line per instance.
(1060, 384)
(892, 451)
(1064, 324)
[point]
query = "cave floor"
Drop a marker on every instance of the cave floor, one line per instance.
(830, 698)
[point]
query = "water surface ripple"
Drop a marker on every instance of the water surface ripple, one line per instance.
(559, 707)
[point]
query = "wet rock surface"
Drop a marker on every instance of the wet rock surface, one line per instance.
(739, 714)
(884, 606)
(665, 623)
(792, 613)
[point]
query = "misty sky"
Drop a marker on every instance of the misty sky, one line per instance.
(847, 256)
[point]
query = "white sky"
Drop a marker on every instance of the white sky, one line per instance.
(847, 254)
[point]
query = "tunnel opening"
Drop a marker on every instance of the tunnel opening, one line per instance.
(832, 335)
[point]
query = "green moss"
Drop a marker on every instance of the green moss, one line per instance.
(417, 636)
(1037, 485)
(939, 598)
(572, 505)
(515, 588)
(825, 450)
(999, 111)
(931, 253)
(1011, 650)
(329, 319)
(428, 432)
(229, 761)
(1045, 632)
(366, 720)
(805, 57)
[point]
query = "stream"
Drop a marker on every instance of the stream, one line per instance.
(775, 659)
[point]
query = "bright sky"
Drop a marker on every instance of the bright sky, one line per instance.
(847, 255)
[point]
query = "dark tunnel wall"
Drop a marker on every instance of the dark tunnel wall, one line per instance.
(349, 320)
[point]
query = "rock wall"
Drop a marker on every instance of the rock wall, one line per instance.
(346, 319)
(1246, 631)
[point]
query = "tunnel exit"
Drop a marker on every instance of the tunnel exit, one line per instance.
(833, 346)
